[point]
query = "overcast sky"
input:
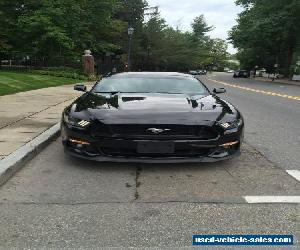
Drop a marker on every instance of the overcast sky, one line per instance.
(219, 13)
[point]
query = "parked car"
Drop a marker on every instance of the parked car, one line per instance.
(230, 71)
(151, 117)
(202, 72)
(241, 73)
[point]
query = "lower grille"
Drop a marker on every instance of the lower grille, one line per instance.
(132, 152)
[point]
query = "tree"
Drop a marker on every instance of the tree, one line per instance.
(218, 54)
(48, 29)
(200, 27)
(267, 33)
(153, 42)
(56, 32)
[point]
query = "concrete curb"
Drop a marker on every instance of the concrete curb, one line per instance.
(16, 160)
(295, 83)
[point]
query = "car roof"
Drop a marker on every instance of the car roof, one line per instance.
(151, 75)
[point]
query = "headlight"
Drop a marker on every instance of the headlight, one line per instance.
(232, 125)
(75, 121)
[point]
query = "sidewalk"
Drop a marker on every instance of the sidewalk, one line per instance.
(280, 81)
(25, 115)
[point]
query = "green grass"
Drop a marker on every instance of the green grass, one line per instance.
(13, 82)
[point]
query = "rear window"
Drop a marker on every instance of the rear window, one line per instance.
(152, 85)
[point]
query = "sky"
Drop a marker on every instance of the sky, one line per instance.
(222, 14)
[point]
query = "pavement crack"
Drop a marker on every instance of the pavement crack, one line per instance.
(137, 182)
(235, 178)
(230, 202)
(261, 154)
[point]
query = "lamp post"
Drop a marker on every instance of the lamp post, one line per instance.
(130, 33)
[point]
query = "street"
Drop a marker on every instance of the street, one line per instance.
(272, 122)
(58, 201)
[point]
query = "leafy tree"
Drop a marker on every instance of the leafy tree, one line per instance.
(55, 32)
(267, 33)
(218, 54)
(49, 28)
(200, 27)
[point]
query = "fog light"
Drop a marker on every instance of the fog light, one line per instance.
(79, 142)
(229, 144)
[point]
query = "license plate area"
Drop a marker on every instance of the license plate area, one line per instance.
(155, 147)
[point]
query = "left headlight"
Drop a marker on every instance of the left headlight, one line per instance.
(232, 125)
(75, 121)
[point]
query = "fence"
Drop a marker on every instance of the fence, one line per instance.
(23, 60)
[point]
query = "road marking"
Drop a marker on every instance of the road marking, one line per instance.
(294, 173)
(257, 90)
(272, 199)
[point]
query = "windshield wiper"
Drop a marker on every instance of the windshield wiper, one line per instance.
(107, 92)
(145, 92)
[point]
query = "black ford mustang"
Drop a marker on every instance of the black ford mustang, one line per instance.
(151, 117)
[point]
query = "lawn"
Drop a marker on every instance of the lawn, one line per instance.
(13, 82)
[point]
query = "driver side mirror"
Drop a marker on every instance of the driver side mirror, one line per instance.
(80, 87)
(219, 90)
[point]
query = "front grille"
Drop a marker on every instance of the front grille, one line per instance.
(199, 132)
(99, 130)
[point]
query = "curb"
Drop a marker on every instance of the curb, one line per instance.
(16, 160)
(295, 83)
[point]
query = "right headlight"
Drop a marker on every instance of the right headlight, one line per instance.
(232, 125)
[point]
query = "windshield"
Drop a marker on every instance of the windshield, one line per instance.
(152, 85)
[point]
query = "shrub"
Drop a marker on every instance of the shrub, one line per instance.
(65, 72)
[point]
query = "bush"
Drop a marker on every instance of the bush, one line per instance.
(64, 72)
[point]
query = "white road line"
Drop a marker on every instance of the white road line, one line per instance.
(272, 199)
(294, 173)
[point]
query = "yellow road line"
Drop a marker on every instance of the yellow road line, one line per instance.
(257, 90)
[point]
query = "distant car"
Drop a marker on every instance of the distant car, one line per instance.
(193, 72)
(201, 72)
(152, 117)
(230, 71)
(241, 73)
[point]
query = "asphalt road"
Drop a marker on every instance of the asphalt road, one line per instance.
(57, 201)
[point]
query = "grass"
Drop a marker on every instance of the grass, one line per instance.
(14, 82)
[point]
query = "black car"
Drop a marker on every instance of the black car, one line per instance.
(241, 73)
(151, 117)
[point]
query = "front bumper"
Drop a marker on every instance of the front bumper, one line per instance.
(100, 149)
(150, 159)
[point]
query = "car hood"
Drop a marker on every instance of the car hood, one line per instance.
(152, 108)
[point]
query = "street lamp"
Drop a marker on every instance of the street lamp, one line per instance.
(130, 33)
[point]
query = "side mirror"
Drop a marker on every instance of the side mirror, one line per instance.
(219, 91)
(80, 87)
